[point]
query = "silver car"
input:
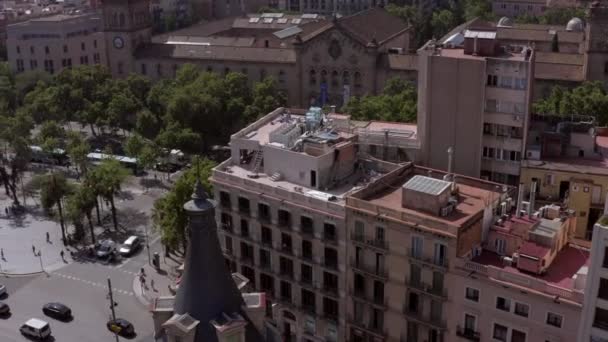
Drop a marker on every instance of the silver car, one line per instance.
(106, 249)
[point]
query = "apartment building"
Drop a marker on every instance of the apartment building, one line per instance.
(475, 81)
(525, 282)
(405, 231)
(56, 42)
(566, 157)
(282, 197)
(594, 320)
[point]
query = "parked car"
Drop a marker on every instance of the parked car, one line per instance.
(57, 310)
(121, 327)
(3, 290)
(4, 309)
(36, 328)
(130, 246)
(106, 248)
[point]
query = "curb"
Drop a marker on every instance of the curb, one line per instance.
(7, 275)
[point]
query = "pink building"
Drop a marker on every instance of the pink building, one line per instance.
(525, 282)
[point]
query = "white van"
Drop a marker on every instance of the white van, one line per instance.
(36, 328)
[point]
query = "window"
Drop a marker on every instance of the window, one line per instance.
(20, 67)
(286, 243)
(472, 294)
(600, 319)
(159, 70)
(331, 258)
(357, 80)
(330, 308)
(334, 78)
(306, 249)
(378, 292)
(266, 236)
(306, 273)
(286, 291)
(286, 267)
(120, 68)
(228, 243)
(416, 251)
(265, 260)
(415, 275)
(503, 304)
(84, 60)
(412, 331)
(330, 282)
(436, 310)
(244, 205)
(284, 218)
(308, 300)
(96, 58)
(95, 43)
(603, 289)
(470, 322)
(506, 82)
(244, 228)
(520, 83)
(518, 336)
(32, 50)
(605, 262)
(18, 49)
(281, 76)
(46, 50)
(307, 225)
(264, 212)
(491, 106)
(345, 78)
(48, 66)
(556, 320)
(379, 234)
(66, 62)
(437, 282)
(500, 246)
(522, 309)
(329, 231)
(312, 76)
(413, 303)
(33, 64)
(492, 80)
(518, 108)
(83, 46)
(262, 74)
(500, 332)
(440, 256)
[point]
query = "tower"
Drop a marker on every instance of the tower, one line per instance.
(127, 25)
(596, 50)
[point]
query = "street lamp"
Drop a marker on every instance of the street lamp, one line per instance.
(112, 304)
(147, 245)
(40, 258)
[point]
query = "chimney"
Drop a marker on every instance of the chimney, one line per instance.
(520, 197)
(450, 168)
(532, 198)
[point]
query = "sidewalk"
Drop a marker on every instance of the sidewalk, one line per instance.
(162, 280)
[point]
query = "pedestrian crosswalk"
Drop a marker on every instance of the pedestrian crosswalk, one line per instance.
(94, 284)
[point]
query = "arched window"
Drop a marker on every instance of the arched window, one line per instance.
(313, 77)
(122, 20)
(346, 78)
(357, 79)
(334, 78)
(323, 76)
(281, 76)
(115, 19)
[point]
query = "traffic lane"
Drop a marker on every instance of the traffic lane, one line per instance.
(97, 274)
(89, 306)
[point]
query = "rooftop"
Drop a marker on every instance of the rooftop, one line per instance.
(570, 164)
(459, 53)
(560, 273)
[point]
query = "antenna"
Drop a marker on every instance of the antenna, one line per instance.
(450, 171)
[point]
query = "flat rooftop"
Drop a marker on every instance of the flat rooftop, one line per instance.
(472, 199)
(570, 164)
(459, 53)
(560, 273)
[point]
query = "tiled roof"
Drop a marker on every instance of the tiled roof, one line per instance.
(538, 35)
(374, 23)
(224, 53)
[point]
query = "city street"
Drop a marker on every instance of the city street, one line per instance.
(81, 284)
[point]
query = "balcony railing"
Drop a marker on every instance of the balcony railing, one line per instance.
(244, 210)
(426, 288)
(331, 290)
(436, 322)
(248, 260)
(430, 261)
(468, 334)
(330, 263)
(378, 331)
(375, 243)
(226, 226)
(284, 224)
(376, 271)
(307, 230)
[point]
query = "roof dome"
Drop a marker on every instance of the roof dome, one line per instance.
(505, 22)
(575, 24)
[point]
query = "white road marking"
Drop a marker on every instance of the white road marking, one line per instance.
(103, 286)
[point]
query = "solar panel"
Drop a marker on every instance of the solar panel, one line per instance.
(288, 32)
(254, 20)
(309, 16)
(427, 185)
(282, 21)
(272, 15)
(268, 20)
(296, 21)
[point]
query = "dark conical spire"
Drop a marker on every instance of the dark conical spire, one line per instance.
(207, 288)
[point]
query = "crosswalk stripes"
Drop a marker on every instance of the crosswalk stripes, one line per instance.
(100, 285)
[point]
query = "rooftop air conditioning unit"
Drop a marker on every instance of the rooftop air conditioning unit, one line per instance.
(506, 261)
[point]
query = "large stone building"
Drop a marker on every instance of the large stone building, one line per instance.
(55, 42)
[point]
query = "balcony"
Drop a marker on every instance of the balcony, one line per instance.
(265, 265)
(309, 309)
(427, 289)
(330, 290)
(227, 226)
(330, 238)
(331, 316)
(374, 243)
(468, 334)
(247, 260)
(308, 231)
(330, 263)
(429, 261)
(379, 334)
(374, 271)
(434, 322)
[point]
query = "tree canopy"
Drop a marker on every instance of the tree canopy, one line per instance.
(396, 103)
(590, 98)
(553, 16)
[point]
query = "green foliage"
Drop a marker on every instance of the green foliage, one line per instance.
(54, 187)
(15, 132)
(481, 9)
(396, 103)
(168, 216)
(442, 22)
(50, 135)
(142, 149)
(78, 149)
(106, 180)
(266, 98)
(80, 204)
(590, 98)
(553, 16)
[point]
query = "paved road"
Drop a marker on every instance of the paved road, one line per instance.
(80, 284)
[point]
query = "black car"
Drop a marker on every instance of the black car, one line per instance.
(4, 309)
(57, 310)
(121, 327)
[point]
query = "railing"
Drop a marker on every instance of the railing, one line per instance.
(286, 274)
(379, 271)
(226, 226)
(331, 290)
(330, 263)
(468, 334)
(426, 288)
(436, 322)
(307, 230)
(284, 224)
(244, 210)
(430, 261)
(377, 243)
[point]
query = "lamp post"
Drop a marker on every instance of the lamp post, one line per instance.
(147, 245)
(111, 297)
(40, 258)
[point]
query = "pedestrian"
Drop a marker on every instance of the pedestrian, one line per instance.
(152, 283)
(6, 210)
(62, 253)
(143, 272)
(34, 249)
(48, 237)
(2, 253)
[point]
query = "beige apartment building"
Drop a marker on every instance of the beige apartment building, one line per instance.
(405, 232)
(474, 96)
(282, 197)
(56, 42)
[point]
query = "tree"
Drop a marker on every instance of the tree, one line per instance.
(109, 176)
(168, 215)
(590, 99)
(442, 22)
(78, 149)
(481, 9)
(396, 103)
(54, 187)
(15, 132)
(266, 98)
(81, 203)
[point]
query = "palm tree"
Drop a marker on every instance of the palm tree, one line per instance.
(81, 203)
(110, 175)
